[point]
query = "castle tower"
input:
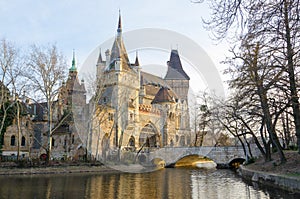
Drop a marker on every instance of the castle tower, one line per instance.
(176, 78)
(100, 66)
(118, 55)
(75, 88)
(165, 100)
(121, 83)
(73, 91)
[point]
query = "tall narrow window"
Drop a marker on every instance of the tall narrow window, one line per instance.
(23, 141)
(12, 140)
(73, 139)
(53, 142)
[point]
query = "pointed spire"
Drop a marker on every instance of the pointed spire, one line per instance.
(119, 23)
(73, 68)
(100, 60)
(137, 63)
(118, 50)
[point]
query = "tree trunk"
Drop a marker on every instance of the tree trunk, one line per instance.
(19, 130)
(291, 73)
(268, 156)
(262, 93)
(261, 149)
(269, 124)
(243, 145)
(49, 145)
(48, 157)
(248, 146)
(286, 129)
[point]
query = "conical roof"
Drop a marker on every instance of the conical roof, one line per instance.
(118, 50)
(136, 63)
(100, 60)
(175, 70)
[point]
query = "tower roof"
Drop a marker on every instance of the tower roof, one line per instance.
(100, 60)
(150, 79)
(175, 70)
(119, 23)
(73, 67)
(164, 95)
(136, 63)
(118, 50)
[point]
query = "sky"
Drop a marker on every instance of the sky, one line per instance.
(85, 25)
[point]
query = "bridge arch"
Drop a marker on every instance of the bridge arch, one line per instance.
(158, 162)
(236, 162)
(190, 160)
(222, 156)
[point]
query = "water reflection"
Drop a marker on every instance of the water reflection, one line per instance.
(221, 184)
(166, 183)
(160, 184)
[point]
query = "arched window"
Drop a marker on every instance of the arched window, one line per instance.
(23, 141)
(131, 142)
(12, 140)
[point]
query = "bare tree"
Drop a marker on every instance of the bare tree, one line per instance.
(46, 71)
(7, 60)
(255, 77)
(241, 118)
(274, 22)
(206, 122)
(11, 81)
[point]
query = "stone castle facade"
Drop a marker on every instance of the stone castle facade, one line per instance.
(135, 109)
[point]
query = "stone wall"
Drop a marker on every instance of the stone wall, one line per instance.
(269, 179)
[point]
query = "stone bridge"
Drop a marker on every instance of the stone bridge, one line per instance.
(220, 155)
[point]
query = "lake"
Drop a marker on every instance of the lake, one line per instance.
(165, 183)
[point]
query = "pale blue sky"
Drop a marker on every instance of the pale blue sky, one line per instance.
(83, 25)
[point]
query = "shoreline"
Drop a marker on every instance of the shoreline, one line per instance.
(57, 170)
(280, 181)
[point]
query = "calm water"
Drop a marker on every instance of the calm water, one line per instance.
(166, 183)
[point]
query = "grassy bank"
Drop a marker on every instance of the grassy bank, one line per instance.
(291, 168)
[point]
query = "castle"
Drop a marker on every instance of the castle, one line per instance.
(134, 109)
(130, 110)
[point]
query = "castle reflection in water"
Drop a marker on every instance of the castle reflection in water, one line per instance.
(166, 183)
